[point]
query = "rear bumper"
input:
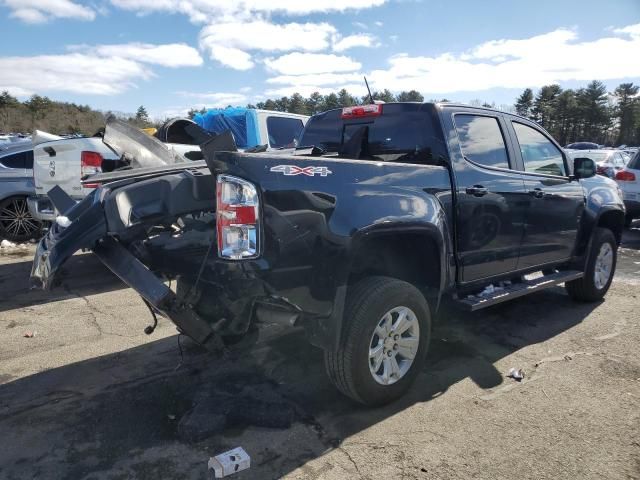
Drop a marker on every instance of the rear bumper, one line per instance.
(41, 209)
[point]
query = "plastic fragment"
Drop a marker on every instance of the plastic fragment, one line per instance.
(516, 374)
(30, 334)
(63, 221)
(229, 462)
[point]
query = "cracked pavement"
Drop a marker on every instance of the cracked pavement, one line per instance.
(92, 397)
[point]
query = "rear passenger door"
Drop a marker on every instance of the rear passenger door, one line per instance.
(490, 195)
(554, 202)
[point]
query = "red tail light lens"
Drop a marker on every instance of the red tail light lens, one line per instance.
(237, 218)
(625, 176)
(90, 163)
(362, 111)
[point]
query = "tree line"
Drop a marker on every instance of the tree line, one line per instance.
(59, 118)
(589, 114)
(317, 102)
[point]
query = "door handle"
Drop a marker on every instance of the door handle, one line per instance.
(537, 192)
(477, 191)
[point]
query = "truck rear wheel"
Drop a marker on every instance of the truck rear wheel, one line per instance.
(386, 334)
(599, 268)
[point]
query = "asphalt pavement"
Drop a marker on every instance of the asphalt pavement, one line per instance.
(85, 394)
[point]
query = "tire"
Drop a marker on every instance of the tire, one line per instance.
(590, 288)
(368, 303)
(16, 223)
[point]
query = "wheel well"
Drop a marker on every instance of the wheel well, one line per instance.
(614, 221)
(414, 258)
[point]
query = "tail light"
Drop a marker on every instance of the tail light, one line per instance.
(237, 218)
(625, 176)
(362, 111)
(90, 163)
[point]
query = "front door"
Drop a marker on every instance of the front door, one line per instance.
(490, 198)
(554, 202)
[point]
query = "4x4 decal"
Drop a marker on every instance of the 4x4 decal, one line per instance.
(291, 170)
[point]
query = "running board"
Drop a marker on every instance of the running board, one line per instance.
(472, 303)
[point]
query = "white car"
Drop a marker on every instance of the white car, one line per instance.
(63, 161)
(629, 181)
(608, 162)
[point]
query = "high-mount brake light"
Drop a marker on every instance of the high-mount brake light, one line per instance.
(90, 163)
(625, 176)
(237, 218)
(362, 111)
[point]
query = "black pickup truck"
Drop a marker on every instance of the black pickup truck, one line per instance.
(383, 212)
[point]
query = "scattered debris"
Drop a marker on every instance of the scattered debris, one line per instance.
(63, 221)
(230, 462)
(30, 334)
(516, 374)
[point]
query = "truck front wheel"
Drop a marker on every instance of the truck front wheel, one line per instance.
(386, 334)
(599, 268)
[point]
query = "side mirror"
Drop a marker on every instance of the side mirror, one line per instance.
(584, 168)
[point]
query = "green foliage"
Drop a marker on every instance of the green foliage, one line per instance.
(585, 114)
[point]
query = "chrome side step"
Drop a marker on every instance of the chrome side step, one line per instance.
(472, 303)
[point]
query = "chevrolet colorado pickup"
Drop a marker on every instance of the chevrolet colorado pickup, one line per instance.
(383, 212)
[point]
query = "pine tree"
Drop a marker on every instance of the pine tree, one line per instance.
(410, 96)
(142, 117)
(524, 103)
(626, 111)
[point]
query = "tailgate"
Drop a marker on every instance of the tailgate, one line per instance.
(58, 163)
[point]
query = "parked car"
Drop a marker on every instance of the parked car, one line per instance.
(583, 146)
(16, 185)
(608, 162)
(629, 181)
(386, 211)
(62, 162)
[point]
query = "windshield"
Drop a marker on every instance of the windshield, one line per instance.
(404, 132)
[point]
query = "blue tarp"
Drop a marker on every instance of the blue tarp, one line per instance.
(243, 123)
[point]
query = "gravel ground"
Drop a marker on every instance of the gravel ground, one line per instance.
(90, 396)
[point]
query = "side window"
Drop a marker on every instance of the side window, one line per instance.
(481, 140)
(618, 161)
(283, 131)
(17, 160)
(538, 153)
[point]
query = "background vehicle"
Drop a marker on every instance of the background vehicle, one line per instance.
(16, 185)
(252, 127)
(608, 162)
(386, 211)
(629, 181)
(62, 162)
(583, 146)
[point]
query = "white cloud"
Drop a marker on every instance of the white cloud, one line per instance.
(231, 57)
(41, 11)
(553, 57)
(316, 79)
(632, 30)
(309, 63)
(216, 99)
(306, 90)
(98, 70)
(170, 55)
(74, 72)
(200, 11)
(357, 40)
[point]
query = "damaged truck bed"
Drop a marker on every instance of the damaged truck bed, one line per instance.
(385, 210)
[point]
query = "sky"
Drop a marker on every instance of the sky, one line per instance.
(170, 55)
